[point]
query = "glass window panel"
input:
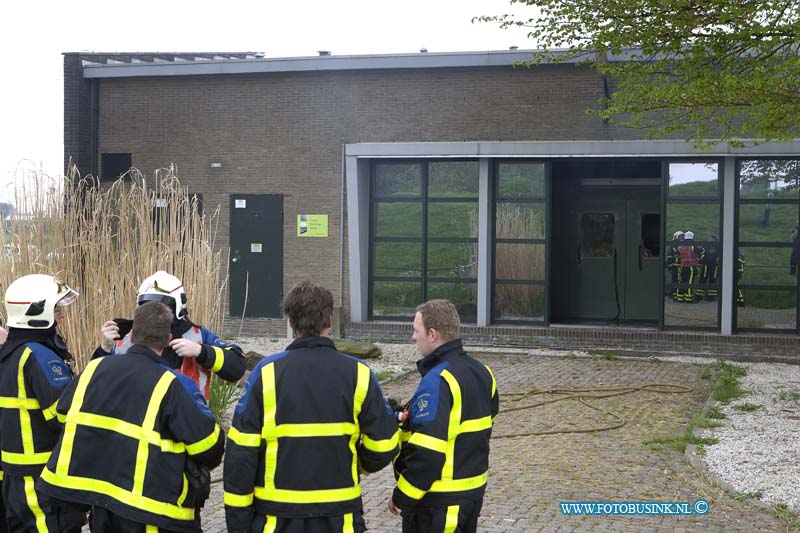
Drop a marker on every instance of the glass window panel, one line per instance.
(398, 259)
(767, 222)
(520, 221)
(520, 179)
(399, 219)
(651, 227)
(463, 295)
(597, 234)
(703, 314)
(519, 261)
(700, 219)
(395, 298)
(452, 260)
(693, 179)
(759, 177)
(768, 309)
(456, 219)
(453, 178)
(766, 266)
(519, 302)
(398, 179)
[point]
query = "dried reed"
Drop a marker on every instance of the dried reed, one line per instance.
(104, 240)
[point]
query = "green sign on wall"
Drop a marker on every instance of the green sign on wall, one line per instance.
(312, 225)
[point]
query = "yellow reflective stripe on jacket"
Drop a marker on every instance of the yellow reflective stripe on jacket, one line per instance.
(426, 441)
(385, 445)
(360, 394)
(219, 359)
(347, 527)
(1, 475)
(409, 490)
(125, 496)
(476, 424)
(150, 529)
(126, 428)
(494, 383)
(270, 524)
(453, 425)
(451, 521)
(204, 444)
(308, 496)
(270, 405)
(331, 429)
(26, 431)
(252, 440)
(68, 437)
(459, 485)
(25, 458)
(8, 402)
(238, 500)
(50, 413)
(31, 498)
(149, 424)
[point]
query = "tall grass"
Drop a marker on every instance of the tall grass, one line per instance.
(103, 240)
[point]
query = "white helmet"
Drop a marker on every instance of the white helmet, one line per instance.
(688, 236)
(31, 301)
(165, 288)
(678, 234)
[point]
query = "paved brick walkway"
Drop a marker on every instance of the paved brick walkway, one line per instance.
(529, 476)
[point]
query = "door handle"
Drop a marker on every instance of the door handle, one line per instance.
(640, 258)
(578, 254)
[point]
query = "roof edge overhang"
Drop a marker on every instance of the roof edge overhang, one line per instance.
(533, 149)
(326, 63)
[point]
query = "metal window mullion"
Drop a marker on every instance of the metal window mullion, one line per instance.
(424, 192)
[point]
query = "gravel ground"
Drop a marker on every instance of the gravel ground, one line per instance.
(758, 452)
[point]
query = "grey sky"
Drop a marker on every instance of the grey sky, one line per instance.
(34, 35)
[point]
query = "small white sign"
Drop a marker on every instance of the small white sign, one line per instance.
(241, 204)
(161, 202)
(256, 247)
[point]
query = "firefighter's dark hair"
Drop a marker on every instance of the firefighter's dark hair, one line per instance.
(152, 325)
(442, 316)
(308, 307)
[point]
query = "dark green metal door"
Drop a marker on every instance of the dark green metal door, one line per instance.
(609, 264)
(256, 239)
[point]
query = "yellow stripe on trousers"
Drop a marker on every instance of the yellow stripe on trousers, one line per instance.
(32, 500)
(451, 522)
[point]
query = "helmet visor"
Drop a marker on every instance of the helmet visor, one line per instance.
(169, 301)
(67, 299)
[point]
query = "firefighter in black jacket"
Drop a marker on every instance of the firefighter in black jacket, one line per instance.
(33, 373)
(309, 422)
(132, 427)
(443, 465)
(194, 350)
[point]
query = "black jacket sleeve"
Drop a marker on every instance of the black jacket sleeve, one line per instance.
(379, 433)
(225, 359)
(190, 421)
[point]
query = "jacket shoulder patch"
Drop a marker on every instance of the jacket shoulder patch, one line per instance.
(53, 367)
(425, 404)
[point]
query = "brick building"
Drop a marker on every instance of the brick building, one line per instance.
(392, 179)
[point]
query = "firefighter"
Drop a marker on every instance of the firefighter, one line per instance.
(34, 370)
(194, 350)
(674, 263)
(740, 262)
(134, 429)
(690, 256)
(443, 466)
(309, 422)
(709, 270)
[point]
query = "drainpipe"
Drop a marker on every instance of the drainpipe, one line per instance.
(341, 245)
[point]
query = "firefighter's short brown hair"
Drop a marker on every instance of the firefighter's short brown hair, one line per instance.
(152, 325)
(442, 316)
(308, 307)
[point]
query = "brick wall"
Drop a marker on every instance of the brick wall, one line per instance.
(282, 133)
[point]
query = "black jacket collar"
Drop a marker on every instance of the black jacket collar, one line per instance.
(311, 342)
(48, 337)
(138, 349)
(453, 348)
